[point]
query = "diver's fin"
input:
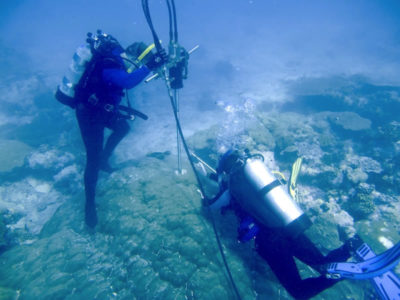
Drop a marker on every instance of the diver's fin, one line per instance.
(388, 284)
(293, 177)
(367, 269)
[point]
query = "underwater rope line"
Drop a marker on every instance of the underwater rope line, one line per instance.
(201, 188)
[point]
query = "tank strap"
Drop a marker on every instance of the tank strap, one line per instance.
(266, 189)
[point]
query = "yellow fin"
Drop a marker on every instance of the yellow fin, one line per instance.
(293, 177)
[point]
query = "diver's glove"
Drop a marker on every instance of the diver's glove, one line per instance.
(157, 60)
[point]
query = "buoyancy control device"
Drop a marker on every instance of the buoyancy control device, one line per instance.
(260, 194)
(82, 64)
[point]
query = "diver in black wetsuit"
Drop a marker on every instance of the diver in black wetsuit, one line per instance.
(98, 109)
(268, 214)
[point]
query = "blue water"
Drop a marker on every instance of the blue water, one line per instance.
(315, 79)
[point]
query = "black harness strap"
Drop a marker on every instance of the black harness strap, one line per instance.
(133, 111)
(266, 189)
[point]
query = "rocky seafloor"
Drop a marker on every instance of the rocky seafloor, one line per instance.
(154, 240)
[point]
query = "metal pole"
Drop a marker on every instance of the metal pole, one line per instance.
(178, 142)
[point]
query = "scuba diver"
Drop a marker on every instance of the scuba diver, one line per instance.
(101, 71)
(272, 218)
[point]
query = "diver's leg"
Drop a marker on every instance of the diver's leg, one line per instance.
(307, 252)
(277, 254)
(92, 131)
(280, 256)
(303, 249)
(120, 129)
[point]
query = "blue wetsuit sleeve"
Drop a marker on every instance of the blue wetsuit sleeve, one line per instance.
(123, 79)
(223, 201)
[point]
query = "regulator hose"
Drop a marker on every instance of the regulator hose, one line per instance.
(175, 31)
(145, 5)
(204, 199)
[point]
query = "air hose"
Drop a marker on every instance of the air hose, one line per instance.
(203, 197)
(174, 38)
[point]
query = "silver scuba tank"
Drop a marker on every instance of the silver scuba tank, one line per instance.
(261, 195)
(75, 71)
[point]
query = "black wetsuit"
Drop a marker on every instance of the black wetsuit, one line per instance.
(280, 250)
(92, 122)
(99, 111)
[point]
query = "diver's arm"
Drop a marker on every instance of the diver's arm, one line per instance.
(222, 201)
(123, 79)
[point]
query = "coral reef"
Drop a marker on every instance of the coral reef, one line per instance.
(361, 204)
(15, 158)
(155, 241)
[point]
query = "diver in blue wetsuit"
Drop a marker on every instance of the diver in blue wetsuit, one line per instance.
(269, 215)
(97, 109)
